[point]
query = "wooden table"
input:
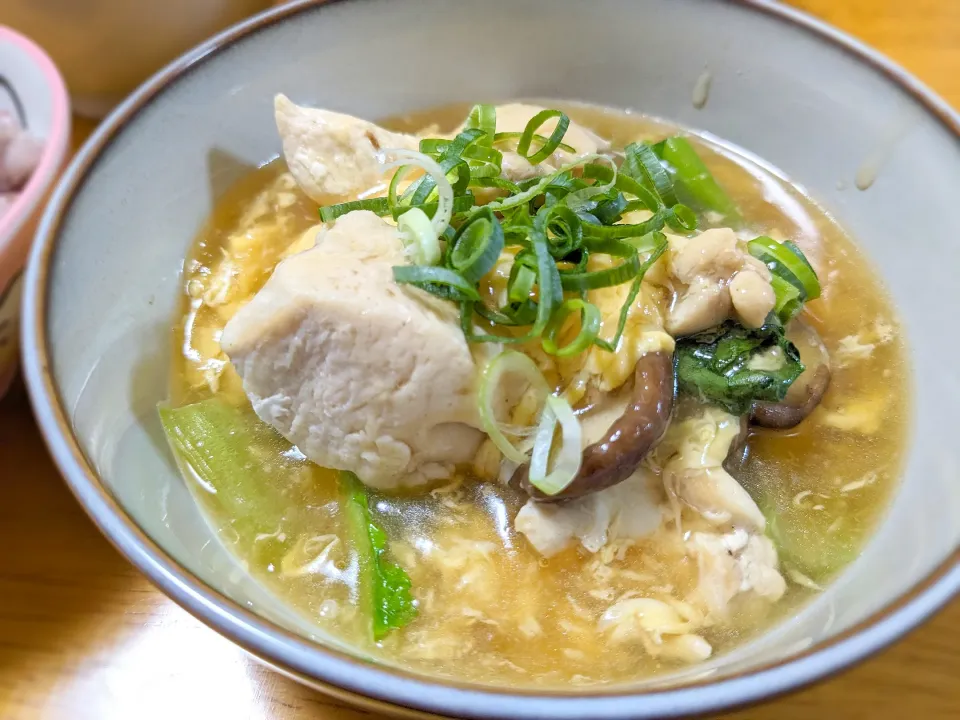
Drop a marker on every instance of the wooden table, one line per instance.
(83, 636)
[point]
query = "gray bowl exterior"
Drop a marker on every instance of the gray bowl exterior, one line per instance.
(104, 281)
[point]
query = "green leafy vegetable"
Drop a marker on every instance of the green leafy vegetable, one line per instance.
(818, 543)
(694, 179)
(715, 365)
(232, 453)
(383, 583)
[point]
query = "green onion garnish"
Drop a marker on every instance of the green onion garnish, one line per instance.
(694, 177)
(501, 137)
(589, 328)
(568, 455)
(548, 148)
(788, 262)
(508, 362)
(551, 225)
(439, 281)
(419, 237)
(477, 246)
(642, 164)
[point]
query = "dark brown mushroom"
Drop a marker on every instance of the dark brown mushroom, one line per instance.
(616, 456)
(737, 454)
(808, 389)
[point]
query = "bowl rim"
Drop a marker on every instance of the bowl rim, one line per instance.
(391, 689)
(54, 151)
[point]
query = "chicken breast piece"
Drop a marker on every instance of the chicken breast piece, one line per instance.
(717, 275)
(629, 510)
(734, 563)
(333, 156)
(359, 373)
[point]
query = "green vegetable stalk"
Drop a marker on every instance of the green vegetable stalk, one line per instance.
(236, 455)
(383, 584)
(692, 178)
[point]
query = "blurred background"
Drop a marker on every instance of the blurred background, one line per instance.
(105, 48)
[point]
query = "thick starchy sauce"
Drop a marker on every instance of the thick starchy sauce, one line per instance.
(491, 609)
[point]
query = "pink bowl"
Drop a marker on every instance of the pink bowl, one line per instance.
(33, 81)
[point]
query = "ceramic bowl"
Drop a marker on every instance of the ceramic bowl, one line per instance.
(31, 88)
(104, 278)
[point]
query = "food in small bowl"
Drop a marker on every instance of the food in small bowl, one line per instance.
(544, 344)
(404, 450)
(34, 136)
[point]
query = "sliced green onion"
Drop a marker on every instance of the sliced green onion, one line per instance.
(695, 178)
(788, 301)
(613, 342)
(568, 456)
(683, 218)
(626, 184)
(461, 203)
(521, 283)
(642, 164)
(380, 206)
(483, 117)
(787, 261)
(509, 362)
(594, 232)
(610, 211)
(530, 190)
(548, 282)
(439, 281)
(608, 277)
(477, 246)
(393, 189)
(589, 328)
(549, 147)
(419, 237)
(563, 229)
(441, 218)
(506, 136)
(494, 182)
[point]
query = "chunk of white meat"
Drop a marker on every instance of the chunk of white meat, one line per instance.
(513, 117)
(717, 275)
(359, 373)
(659, 627)
(333, 156)
(735, 563)
(629, 510)
(692, 455)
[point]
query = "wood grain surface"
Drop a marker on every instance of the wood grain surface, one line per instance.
(83, 636)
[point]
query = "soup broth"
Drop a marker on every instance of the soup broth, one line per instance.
(490, 608)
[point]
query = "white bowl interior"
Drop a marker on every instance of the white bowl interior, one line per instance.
(790, 96)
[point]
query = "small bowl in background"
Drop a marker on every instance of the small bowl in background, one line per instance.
(108, 47)
(32, 89)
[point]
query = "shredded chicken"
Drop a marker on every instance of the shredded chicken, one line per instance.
(692, 456)
(718, 276)
(628, 510)
(658, 626)
(734, 563)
